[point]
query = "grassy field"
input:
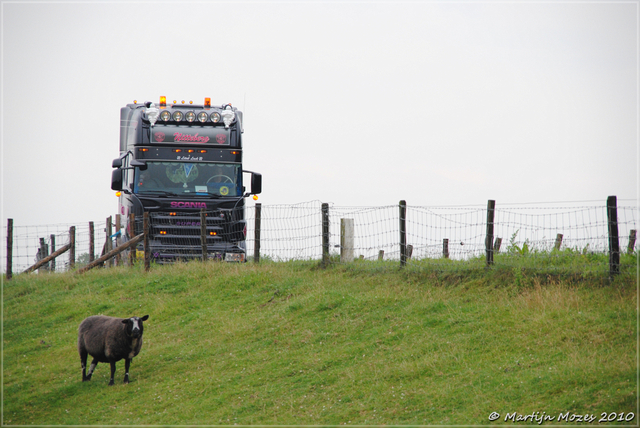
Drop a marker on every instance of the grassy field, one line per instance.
(290, 343)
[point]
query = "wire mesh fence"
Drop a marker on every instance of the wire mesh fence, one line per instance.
(27, 245)
(444, 236)
(546, 236)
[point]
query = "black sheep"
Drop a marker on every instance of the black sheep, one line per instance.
(109, 340)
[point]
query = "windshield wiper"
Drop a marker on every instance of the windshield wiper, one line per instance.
(162, 192)
(209, 194)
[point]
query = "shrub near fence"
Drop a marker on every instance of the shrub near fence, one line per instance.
(572, 237)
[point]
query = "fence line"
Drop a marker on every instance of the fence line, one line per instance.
(437, 234)
(26, 244)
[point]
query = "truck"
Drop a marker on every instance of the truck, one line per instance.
(181, 162)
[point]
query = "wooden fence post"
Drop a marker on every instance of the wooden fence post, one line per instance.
(403, 233)
(491, 206)
(256, 233)
(632, 241)
(43, 253)
(496, 245)
(325, 235)
(614, 239)
(132, 232)
(108, 244)
(72, 247)
(203, 234)
(558, 243)
(380, 255)
(92, 242)
(147, 250)
(346, 240)
(445, 248)
(9, 248)
(118, 258)
(53, 250)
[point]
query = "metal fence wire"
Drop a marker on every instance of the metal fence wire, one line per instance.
(434, 235)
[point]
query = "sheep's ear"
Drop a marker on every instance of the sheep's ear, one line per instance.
(144, 318)
(125, 321)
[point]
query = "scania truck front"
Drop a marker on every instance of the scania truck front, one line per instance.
(175, 160)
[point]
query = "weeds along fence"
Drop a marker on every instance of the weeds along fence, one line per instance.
(574, 237)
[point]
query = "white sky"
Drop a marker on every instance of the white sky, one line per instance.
(355, 103)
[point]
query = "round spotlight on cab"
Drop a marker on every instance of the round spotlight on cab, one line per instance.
(190, 116)
(165, 116)
(178, 116)
(202, 116)
(215, 117)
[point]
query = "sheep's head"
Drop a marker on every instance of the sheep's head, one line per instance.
(134, 326)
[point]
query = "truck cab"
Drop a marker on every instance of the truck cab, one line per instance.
(176, 162)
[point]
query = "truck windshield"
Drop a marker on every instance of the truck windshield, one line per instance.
(189, 178)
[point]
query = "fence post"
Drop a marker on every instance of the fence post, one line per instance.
(92, 242)
(203, 233)
(614, 240)
(108, 243)
(491, 206)
(380, 255)
(256, 233)
(53, 250)
(118, 258)
(132, 232)
(632, 241)
(346, 240)
(43, 253)
(147, 250)
(9, 248)
(403, 233)
(558, 241)
(72, 248)
(445, 248)
(496, 245)
(325, 235)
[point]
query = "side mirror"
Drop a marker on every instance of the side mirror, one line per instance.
(116, 179)
(256, 183)
(142, 165)
(117, 163)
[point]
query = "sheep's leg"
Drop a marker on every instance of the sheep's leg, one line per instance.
(127, 363)
(113, 371)
(83, 363)
(94, 363)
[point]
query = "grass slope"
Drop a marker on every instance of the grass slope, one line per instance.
(288, 343)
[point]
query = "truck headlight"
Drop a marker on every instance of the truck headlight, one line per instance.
(234, 257)
(177, 116)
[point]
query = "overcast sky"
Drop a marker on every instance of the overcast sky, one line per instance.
(355, 103)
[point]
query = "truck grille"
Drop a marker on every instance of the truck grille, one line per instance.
(184, 229)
